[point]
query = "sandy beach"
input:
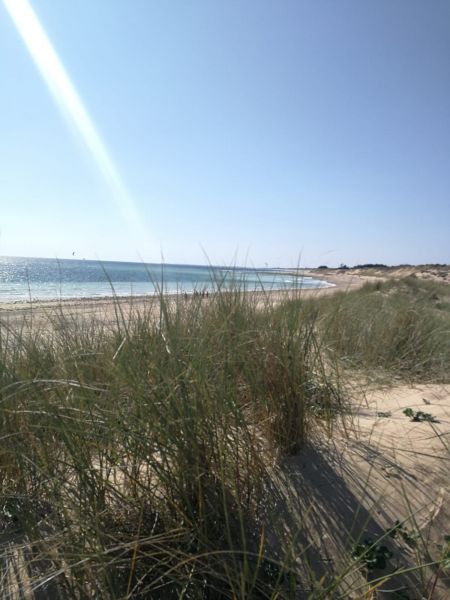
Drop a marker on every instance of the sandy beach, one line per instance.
(348, 279)
(107, 309)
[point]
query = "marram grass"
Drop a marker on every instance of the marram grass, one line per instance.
(135, 458)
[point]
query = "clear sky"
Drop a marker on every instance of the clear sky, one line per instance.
(268, 130)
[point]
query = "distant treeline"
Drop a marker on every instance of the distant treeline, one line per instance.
(371, 266)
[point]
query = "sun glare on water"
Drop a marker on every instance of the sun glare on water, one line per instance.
(71, 105)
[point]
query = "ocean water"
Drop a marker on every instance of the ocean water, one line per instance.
(22, 279)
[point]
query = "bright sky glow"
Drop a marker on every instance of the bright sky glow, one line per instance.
(71, 105)
(261, 131)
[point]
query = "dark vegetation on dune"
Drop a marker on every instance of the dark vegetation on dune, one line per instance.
(381, 266)
(135, 458)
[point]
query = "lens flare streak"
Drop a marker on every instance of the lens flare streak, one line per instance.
(71, 105)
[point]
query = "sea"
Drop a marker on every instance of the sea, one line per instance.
(28, 279)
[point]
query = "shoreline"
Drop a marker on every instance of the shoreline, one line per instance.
(351, 278)
(336, 282)
(104, 309)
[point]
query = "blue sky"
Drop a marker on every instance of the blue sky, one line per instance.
(265, 132)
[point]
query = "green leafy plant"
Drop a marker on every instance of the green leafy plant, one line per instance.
(408, 536)
(446, 553)
(384, 414)
(419, 416)
(372, 555)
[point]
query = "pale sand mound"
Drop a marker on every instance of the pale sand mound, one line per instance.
(387, 469)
